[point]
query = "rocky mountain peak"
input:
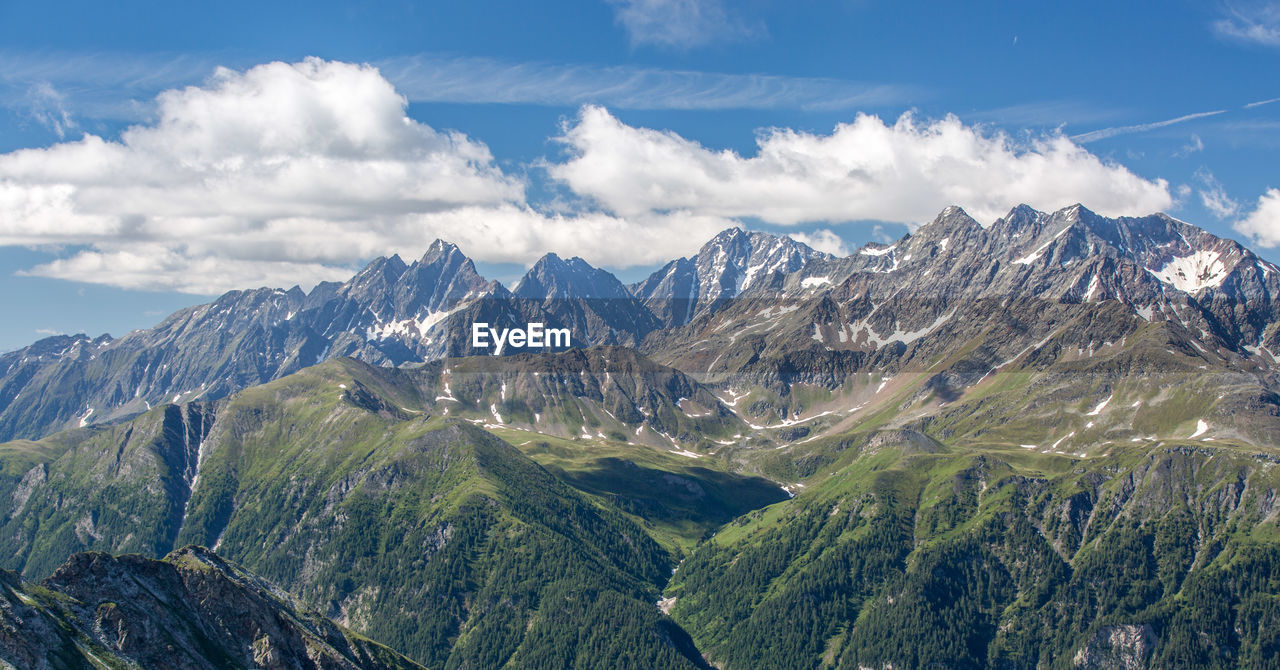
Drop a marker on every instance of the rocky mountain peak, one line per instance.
(553, 277)
(731, 262)
(440, 249)
(951, 219)
(380, 273)
(727, 236)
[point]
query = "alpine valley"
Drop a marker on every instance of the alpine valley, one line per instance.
(1044, 441)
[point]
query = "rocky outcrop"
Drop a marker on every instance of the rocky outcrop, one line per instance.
(1118, 647)
(190, 610)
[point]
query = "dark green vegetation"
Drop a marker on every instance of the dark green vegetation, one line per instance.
(426, 533)
(190, 610)
(1165, 556)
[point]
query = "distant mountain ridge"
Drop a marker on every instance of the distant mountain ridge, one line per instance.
(393, 313)
(731, 262)
(886, 299)
(389, 313)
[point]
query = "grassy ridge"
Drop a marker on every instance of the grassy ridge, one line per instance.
(967, 559)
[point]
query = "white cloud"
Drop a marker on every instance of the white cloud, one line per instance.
(1258, 24)
(1214, 197)
(1263, 223)
(297, 173)
(118, 86)
(426, 78)
(681, 24)
(291, 173)
(279, 142)
(823, 240)
(47, 106)
(1195, 145)
(1094, 136)
(151, 266)
(905, 172)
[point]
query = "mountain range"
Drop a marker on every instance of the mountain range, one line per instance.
(885, 297)
(1044, 441)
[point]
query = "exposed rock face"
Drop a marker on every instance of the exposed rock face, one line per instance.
(620, 390)
(592, 303)
(382, 315)
(1119, 647)
(730, 263)
(190, 610)
(1156, 297)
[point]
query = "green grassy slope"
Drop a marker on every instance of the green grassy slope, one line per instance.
(427, 533)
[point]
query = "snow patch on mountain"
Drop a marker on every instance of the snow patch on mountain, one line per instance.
(1101, 406)
(1189, 274)
(404, 327)
(899, 335)
(1031, 257)
(867, 251)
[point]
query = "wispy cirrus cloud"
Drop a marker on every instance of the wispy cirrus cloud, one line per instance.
(48, 107)
(122, 86)
(682, 24)
(1255, 23)
(101, 85)
(1046, 113)
(1104, 133)
(1214, 197)
(426, 78)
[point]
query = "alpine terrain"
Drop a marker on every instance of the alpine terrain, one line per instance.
(1037, 442)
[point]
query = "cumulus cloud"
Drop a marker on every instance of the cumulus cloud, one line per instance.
(905, 172)
(297, 173)
(150, 266)
(290, 173)
(1263, 223)
(310, 140)
(823, 240)
(681, 24)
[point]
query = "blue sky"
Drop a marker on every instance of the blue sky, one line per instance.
(152, 154)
